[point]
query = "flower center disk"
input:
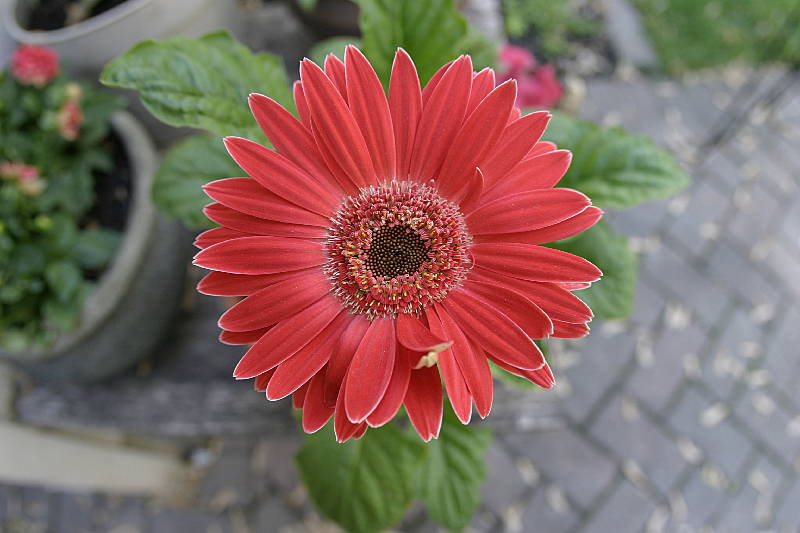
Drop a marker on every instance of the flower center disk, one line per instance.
(396, 249)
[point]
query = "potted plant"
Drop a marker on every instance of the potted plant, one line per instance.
(89, 33)
(80, 241)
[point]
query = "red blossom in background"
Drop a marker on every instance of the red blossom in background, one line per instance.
(538, 85)
(70, 119)
(390, 245)
(27, 177)
(34, 65)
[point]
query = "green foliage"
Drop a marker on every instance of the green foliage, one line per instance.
(694, 34)
(363, 485)
(432, 32)
(613, 296)
(186, 168)
(553, 24)
(451, 478)
(615, 169)
(334, 45)
(201, 83)
(48, 253)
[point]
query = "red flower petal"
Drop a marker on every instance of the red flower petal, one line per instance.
(342, 427)
(541, 172)
(441, 119)
(534, 263)
(216, 236)
(315, 413)
(342, 356)
(335, 127)
(290, 137)
(301, 104)
(557, 302)
(515, 142)
(261, 255)
(335, 70)
(302, 366)
(262, 380)
(415, 336)
(492, 330)
(542, 377)
(225, 284)
(567, 228)
(542, 147)
(527, 211)
(368, 104)
(434, 81)
(454, 382)
(476, 138)
(472, 363)
(298, 397)
(405, 104)
(282, 177)
(526, 314)
(395, 392)
(287, 338)
(247, 196)
(271, 304)
(567, 330)
(370, 370)
(237, 338)
(248, 225)
(423, 402)
(483, 83)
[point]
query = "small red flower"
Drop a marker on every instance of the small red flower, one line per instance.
(26, 176)
(70, 119)
(34, 65)
(392, 244)
(538, 84)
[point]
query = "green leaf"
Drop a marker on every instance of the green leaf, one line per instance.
(432, 32)
(612, 167)
(307, 5)
(64, 278)
(334, 45)
(188, 166)
(96, 247)
(612, 297)
(452, 477)
(363, 485)
(201, 83)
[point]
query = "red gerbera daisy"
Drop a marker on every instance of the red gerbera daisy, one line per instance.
(392, 244)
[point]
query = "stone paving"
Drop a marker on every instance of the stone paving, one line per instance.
(685, 418)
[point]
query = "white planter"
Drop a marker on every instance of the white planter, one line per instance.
(132, 307)
(87, 46)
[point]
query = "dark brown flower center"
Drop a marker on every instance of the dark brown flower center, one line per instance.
(395, 250)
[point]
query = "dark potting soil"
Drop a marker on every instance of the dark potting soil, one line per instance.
(52, 14)
(113, 194)
(113, 190)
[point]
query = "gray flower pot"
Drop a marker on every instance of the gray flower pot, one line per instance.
(90, 44)
(135, 300)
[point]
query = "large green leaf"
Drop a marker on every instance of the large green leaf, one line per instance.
(95, 247)
(363, 485)
(452, 477)
(613, 296)
(186, 168)
(201, 83)
(615, 169)
(432, 32)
